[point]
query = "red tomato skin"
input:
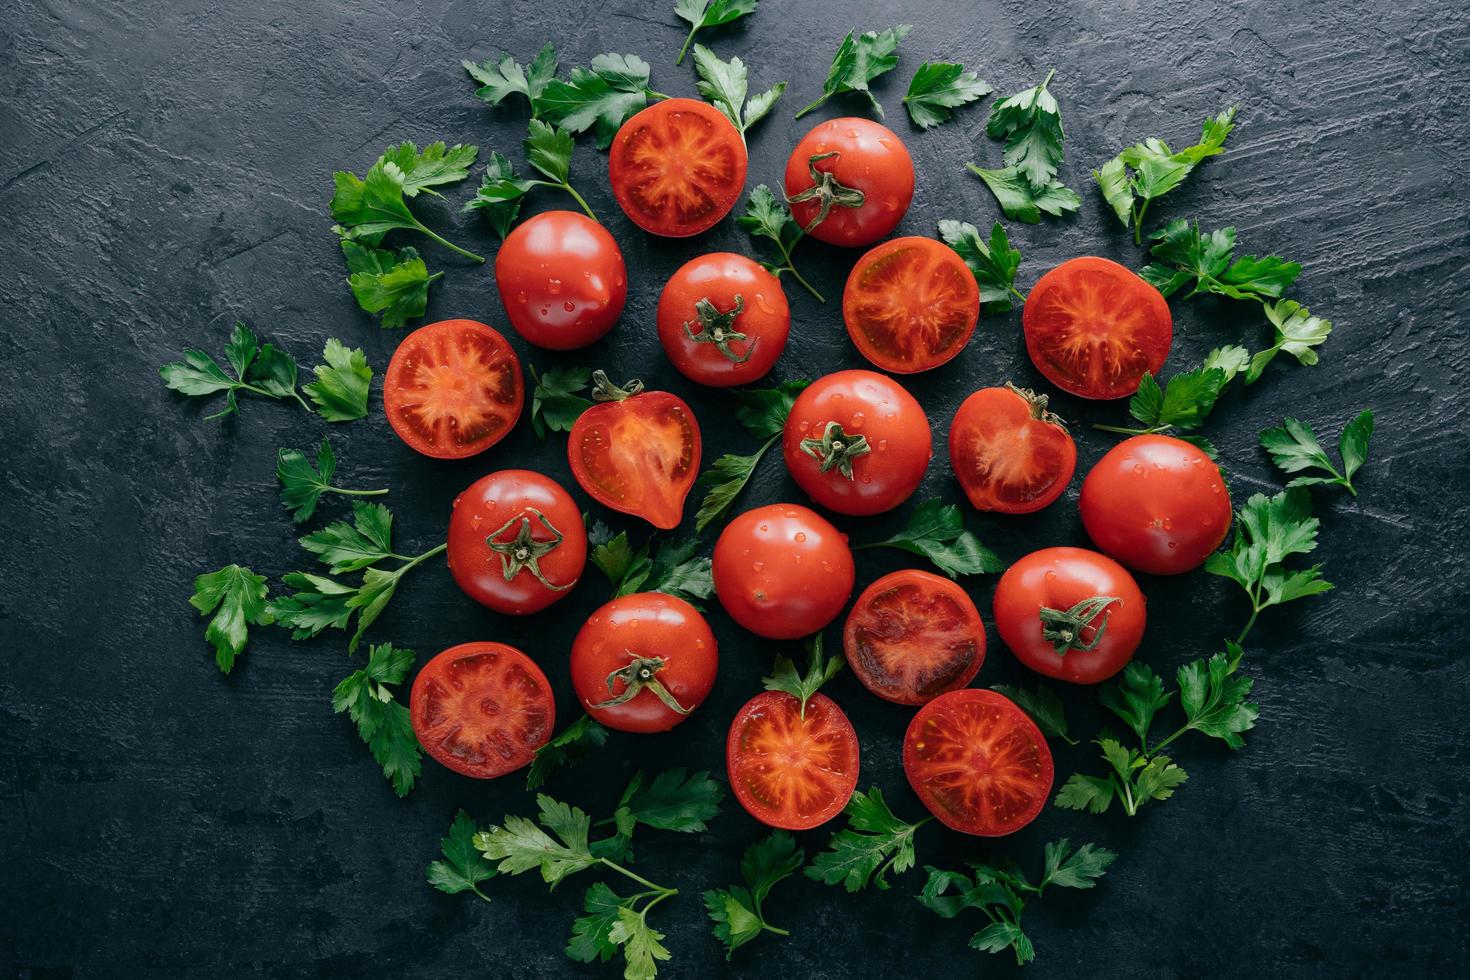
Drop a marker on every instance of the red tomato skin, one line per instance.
(1157, 504)
(721, 277)
(508, 389)
(649, 624)
(561, 279)
(783, 571)
(627, 432)
(708, 141)
(872, 159)
(824, 712)
(1059, 578)
(865, 620)
(490, 503)
(992, 431)
(871, 405)
(941, 282)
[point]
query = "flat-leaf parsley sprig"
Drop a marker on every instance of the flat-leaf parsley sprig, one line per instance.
(940, 87)
(302, 484)
(259, 369)
(238, 599)
(993, 263)
(500, 193)
(736, 911)
(937, 531)
(763, 412)
(1185, 400)
(1030, 123)
(766, 217)
(725, 85)
(861, 58)
(874, 843)
(367, 208)
(673, 569)
(567, 748)
(382, 722)
(1146, 171)
(1294, 449)
(699, 14)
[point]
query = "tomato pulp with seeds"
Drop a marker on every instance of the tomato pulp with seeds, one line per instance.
(1157, 504)
(1094, 328)
(723, 320)
(978, 762)
(643, 662)
(782, 571)
(1070, 613)
(792, 771)
(1009, 453)
(677, 167)
(864, 179)
(857, 442)
(517, 542)
(453, 389)
(912, 636)
(636, 451)
(482, 709)
(561, 279)
(910, 304)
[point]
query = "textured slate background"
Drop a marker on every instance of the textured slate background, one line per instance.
(165, 169)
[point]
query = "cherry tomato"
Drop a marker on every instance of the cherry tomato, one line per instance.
(643, 662)
(1010, 454)
(912, 636)
(677, 167)
(1095, 329)
(562, 280)
(978, 762)
(853, 178)
(910, 305)
(516, 541)
(453, 389)
(1070, 613)
(1157, 504)
(782, 571)
(482, 709)
(788, 770)
(723, 320)
(636, 451)
(857, 442)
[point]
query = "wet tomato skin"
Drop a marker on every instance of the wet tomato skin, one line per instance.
(1157, 504)
(910, 305)
(638, 455)
(453, 389)
(912, 636)
(725, 280)
(870, 158)
(500, 503)
(787, 771)
(782, 571)
(677, 167)
(561, 279)
(1010, 455)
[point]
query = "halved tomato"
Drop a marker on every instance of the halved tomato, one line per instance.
(912, 636)
(787, 770)
(1009, 453)
(978, 762)
(677, 167)
(1095, 329)
(453, 389)
(910, 304)
(482, 709)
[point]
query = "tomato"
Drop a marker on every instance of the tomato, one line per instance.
(562, 280)
(978, 762)
(788, 770)
(643, 662)
(636, 451)
(723, 320)
(453, 389)
(912, 636)
(1010, 454)
(1157, 504)
(849, 181)
(677, 167)
(516, 541)
(1070, 613)
(482, 709)
(857, 442)
(1095, 329)
(782, 571)
(910, 305)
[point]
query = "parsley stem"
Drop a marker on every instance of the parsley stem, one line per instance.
(810, 107)
(426, 555)
(1019, 295)
(1138, 222)
(580, 200)
(687, 41)
(1121, 430)
(776, 929)
(448, 244)
(1255, 611)
(663, 892)
(791, 266)
(357, 493)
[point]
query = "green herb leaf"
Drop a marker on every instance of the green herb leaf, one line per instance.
(500, 194)
(736, 911)
(591, 940)
(784, 677)
(1213, 697)
(436, 166)
(601, 97)
(1031, 125)
(700, 14)
(1187, 256)
(726, 477)
(1044, 707)
(993, 265)
(340, 390)
(860, 59)
(763, 411)
(1083, 792)
(352, 547)
(303, 484)
(875, 843)
(463, 868)
(369, 207)
(766, 217)
(549, 150)
(396, 286)
(500, 80)
(938, 88)
(642, 945)
(556, 402)
(937, 531)
(1136, 697)
(569, 747)
(237, 598)
(1081, 868)
(1294, 448)
(725, 85)
(1148, 170)
(260, 370)
(1298, 333)
(674, 570)
(1020, 201)
(675, 800)
(519, 845)
(381, 721)
(1267, 531)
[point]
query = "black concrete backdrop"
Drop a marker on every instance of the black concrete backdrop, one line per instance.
(165, 168)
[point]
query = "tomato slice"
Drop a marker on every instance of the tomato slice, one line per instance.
(1095, 329)
(788, 771)
(453, 389)
(912, 636)
(638, 455)
(978, 762)
(677, 167)
(482, 709)
(910, 304)
(1009, 453)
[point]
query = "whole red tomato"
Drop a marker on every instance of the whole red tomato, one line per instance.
(912, 636)
(453, 389)
(910, 304)
(849, 181)
(516, 541)
(677, 167)
(1010, 454)
(782, 571)
(643, 662)
(723, 320)
(562, 280)
(857, 442)
(1157, 504)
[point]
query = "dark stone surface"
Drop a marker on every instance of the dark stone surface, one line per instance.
(165, 169)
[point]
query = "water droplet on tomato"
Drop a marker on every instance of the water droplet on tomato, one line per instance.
(800, 536)
(756, 566)
(554, 286)
(858, 418)
(1173, 545)
(521, 296)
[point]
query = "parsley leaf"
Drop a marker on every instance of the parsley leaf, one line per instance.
(500, 193)
(724, 84)
(435, 166)
(555, 401)
(500, 80)
(303, 484)
(601, 97)
(938, 88)
(519, 845)
(763, 412)
(1031, 125)
(1298, 333)
(237, 597)
(1132, 180)
(736, 911)
(993, 265)
(353, 547)
(382, 722)
(673, 570)
(397, 286)
(1136, 697)
(367, 208)
(259, 370)
(1020, 201)
(700, 14)
(937, 531)
(675, 800)
(463, 867)
(340, 390)
(1187, 256)
(1135, 780)
(819, 670)
(765, 217)
(860, 59)
(590, 942)
(1294, 448)
(642, 944)
(1044, 707)
(569, 747)
(875, 842)
(1186, 400)
(1213, 697)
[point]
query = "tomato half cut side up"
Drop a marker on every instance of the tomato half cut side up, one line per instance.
(790, 771)
(482, 709)
(453, 389)
(1009, 453)
(911, 304)
(912, 636)
(677, 167)
(978, 762)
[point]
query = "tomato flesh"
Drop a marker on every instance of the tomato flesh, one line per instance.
(677, 167)
(788, 771)
(910, 304)
(453, 389)
(912, 636)
(1009, 455)
(638, 456)
(482, 709)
